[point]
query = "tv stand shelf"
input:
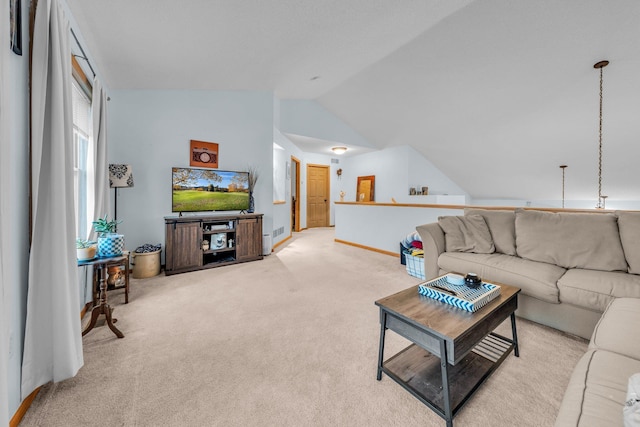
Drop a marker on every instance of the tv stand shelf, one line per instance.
(208, 241)
(215, 251)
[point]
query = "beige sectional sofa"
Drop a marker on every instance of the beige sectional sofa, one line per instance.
(598, 386)
(572, 267)
(568, 265)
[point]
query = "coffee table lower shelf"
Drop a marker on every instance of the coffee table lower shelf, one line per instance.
(420, 373)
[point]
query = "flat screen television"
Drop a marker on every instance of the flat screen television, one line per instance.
(196, 190)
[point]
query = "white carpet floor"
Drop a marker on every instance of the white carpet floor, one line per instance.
(291, 340)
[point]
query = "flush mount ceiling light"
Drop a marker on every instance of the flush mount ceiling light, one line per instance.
(339, 150)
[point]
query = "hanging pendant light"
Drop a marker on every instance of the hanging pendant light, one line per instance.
(600, 65)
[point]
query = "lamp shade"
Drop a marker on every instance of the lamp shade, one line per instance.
(120, 176)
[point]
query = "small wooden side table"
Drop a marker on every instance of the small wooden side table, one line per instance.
(103, 307)
(95, 287)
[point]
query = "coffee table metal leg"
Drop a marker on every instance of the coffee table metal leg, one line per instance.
(446, 395)
(383, 322)
(516, 352)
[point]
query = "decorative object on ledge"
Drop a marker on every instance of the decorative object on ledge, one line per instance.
(366, 188)
(600, 65)
(419, 191)
(563, 167)
(339, 150)
(120, 176)
(342, 194)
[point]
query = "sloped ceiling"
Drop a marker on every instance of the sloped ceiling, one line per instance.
(497, 94)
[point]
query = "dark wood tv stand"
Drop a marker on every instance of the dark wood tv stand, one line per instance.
(232, 239)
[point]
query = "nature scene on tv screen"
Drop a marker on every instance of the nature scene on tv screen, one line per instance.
(209, 190)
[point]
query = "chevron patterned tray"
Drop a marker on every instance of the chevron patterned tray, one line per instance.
(459, 296)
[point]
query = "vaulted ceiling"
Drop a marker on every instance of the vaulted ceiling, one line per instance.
(497, 94)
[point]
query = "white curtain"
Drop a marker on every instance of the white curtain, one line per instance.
(53, 341)
(4, 148)
(98, 176)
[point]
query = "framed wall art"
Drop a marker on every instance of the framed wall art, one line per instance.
(204, 154)
(15, 25)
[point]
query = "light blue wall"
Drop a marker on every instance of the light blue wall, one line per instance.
(151, 130)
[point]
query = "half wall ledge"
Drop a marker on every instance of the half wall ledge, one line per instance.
(380, 226)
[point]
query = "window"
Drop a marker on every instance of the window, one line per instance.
(81, 123)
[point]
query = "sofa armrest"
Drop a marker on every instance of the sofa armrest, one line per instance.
(433, 244)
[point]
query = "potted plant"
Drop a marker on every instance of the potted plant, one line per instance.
(110, 243)
(85, 249)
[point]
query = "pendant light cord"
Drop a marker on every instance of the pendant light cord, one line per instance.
(600, 65)
(600, 147)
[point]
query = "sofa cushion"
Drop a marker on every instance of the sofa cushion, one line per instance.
(534, 278)
(502, 226)
(595, 289)
(629, 225)
(466, 234)
(570, 240)
(622, 314)
(597, 390)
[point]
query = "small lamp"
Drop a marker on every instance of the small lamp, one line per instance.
(120, 176)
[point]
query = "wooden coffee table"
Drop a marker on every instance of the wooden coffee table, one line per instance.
(453, 352)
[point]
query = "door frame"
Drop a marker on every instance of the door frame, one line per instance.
(296, 177)
(327, 170)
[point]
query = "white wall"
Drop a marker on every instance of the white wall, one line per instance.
(308, 118)
(396, 169)
(279, 173)
(569, 204)
(151, 130)
(383, 227)
(15, 200)
(282, 212)
(423, 173)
